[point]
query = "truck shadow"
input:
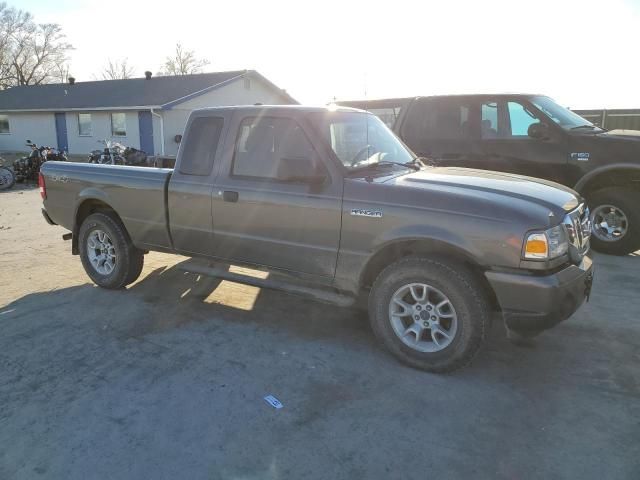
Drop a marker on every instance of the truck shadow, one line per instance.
(167, 299)
(175, 298)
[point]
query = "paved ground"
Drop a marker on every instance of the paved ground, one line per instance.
(167, 379)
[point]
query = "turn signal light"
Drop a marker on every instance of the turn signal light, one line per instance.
(536, 246)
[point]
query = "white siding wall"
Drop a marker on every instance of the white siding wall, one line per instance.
(233, 94)
(101, 129)
(40, 127)
(37, 127)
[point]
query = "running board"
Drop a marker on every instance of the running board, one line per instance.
(221, 271)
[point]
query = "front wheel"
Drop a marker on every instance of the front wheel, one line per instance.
(615, 217)
(7, 178)
(430, 314)
(106, 251)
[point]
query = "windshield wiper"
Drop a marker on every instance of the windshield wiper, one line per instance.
(592, 127)
(386, 163)
(424, 161)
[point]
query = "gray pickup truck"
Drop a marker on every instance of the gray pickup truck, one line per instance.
(332, 199)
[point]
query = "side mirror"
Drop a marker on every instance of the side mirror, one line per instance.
(538, 130)
(299, 169)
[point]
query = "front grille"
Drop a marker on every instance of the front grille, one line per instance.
(578, 227)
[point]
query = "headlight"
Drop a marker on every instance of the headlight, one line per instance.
(546, 245)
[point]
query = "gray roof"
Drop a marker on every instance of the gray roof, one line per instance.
(133, 92)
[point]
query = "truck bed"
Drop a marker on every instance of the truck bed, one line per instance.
(138, 194)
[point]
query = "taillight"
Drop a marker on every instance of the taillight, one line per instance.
(43, 187)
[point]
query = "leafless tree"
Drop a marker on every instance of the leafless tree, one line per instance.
(61, 73)
(183, 62)
(117, 70)
(30, 53)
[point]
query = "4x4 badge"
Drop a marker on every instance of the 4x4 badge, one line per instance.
(363, 212)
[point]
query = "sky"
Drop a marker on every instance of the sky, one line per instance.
(582, 53)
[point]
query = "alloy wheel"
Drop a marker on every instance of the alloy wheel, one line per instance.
(423, 317)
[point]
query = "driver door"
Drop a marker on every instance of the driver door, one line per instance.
(507, 147)
(260, 219)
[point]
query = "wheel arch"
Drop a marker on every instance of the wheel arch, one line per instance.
(87, 206)
(616, 175)
(398, 249)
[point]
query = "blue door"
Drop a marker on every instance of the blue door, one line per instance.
(61, 131)
(145, 125)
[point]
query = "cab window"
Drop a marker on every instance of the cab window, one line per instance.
(505, 120)
(438, 119)
(489, 120)
(266, 147)
(520, 119)
(201, 146)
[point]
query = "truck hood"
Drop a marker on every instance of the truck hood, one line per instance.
(542, 192)
(634, 134)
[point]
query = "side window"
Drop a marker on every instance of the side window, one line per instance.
(201, 145)
(521, 118)
(84, 124)
(4, 124)
(436, 119)
(489, 120)
(118, 125)
(267, 146)
(452, 122)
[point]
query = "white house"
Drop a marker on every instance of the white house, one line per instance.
(146, 113)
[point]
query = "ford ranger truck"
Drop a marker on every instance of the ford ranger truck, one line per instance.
(333, 200)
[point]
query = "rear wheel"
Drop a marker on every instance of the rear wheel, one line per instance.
(106, 251)
(430, 314)
(615, 216)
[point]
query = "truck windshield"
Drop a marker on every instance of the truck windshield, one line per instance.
(360, 139)
(562, 116)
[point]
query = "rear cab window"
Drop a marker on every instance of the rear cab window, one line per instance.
(201, 145)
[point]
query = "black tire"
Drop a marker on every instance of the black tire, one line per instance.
(463, 290)
(7, 178)
(627, 201)
(128, 259)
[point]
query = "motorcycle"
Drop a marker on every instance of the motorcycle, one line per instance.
(27, 168)
(117, 154)
(133, 156)
(56, 155)
(111, 154)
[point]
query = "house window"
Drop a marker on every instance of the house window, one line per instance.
(4, 124)
(84, 125)
(118, 125)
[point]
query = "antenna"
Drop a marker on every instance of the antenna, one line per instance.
(366, 117)
(365, 85)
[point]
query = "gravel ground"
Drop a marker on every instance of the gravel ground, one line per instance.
(166, 380)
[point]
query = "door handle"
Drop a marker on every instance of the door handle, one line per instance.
(229, 196)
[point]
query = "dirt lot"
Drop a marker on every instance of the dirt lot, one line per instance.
(167, 379)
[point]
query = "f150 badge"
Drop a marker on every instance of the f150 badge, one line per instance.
(363, 212)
